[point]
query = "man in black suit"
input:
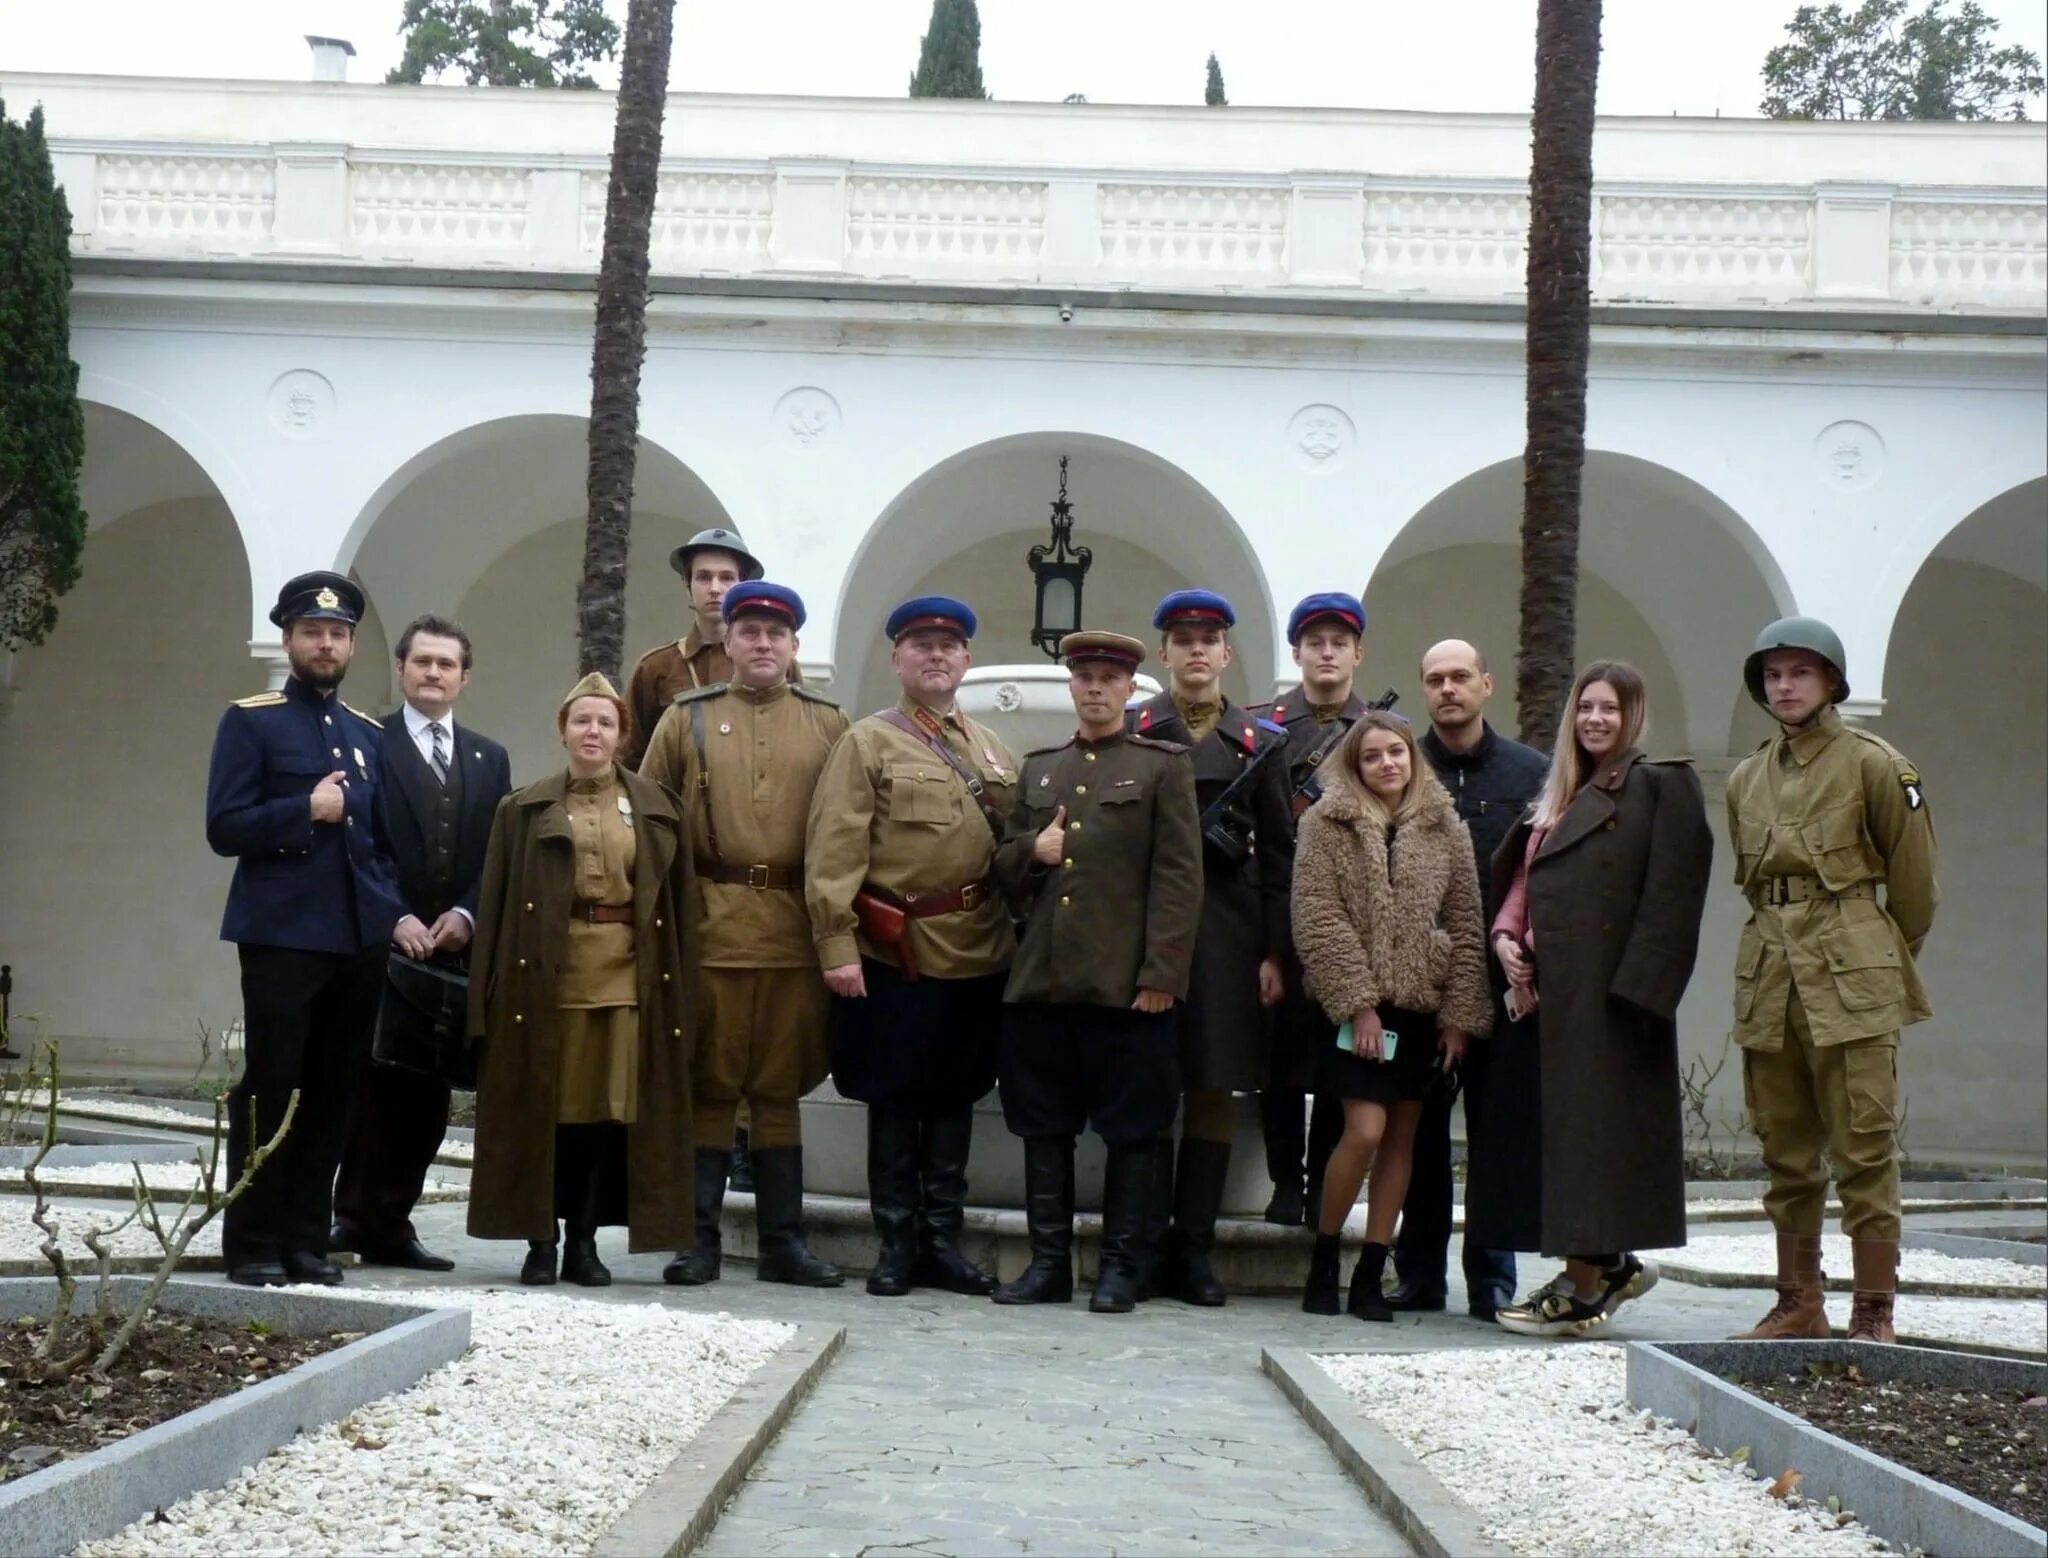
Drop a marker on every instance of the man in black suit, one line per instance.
(438, 789)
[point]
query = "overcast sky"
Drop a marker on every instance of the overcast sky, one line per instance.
(1660, 56)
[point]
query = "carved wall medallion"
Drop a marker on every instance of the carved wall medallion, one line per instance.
(808, 416)
(301, 404)
(1849, 456)
(1322, 435)
(1009, 698)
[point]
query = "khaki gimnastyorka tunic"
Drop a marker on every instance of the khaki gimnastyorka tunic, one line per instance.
(889, 813)
(600, 1022)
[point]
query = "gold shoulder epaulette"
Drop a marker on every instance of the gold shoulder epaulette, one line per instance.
(261, 700)
(367, 719)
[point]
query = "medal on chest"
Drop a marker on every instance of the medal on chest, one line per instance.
(625, 811)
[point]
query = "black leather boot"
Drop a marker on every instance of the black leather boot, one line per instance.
(1197, 1199)
(892, 1199)
(1319, 1294)
(580, 1264)
(1367, 1301)
(538, 1271)
(1283, 1123)
(741, 1177)
(943, 1145)
(695, 1267)
(1158, 1221)
(1126, 1194)
(1049, 1214)
(779, 1223)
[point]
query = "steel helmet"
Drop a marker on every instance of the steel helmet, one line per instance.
(716, 541)
(1808, 633)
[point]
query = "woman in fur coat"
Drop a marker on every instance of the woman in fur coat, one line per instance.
(1387, 922)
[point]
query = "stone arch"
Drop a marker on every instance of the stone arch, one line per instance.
(1973, 622)
(486, 523)
(1670, 572)
(1156, 525)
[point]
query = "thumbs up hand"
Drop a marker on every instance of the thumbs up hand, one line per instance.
(328, 802)
(1052, 840)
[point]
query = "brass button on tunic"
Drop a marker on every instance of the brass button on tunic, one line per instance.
(597, 1075)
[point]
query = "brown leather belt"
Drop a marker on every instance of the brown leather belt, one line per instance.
(923, 906)
(602, 913)
(1781, 890)
(780, 879)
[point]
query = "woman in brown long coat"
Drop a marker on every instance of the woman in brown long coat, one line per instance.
(1601, 890)
(578, 996)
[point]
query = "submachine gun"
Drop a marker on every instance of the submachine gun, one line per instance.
(1310, 790)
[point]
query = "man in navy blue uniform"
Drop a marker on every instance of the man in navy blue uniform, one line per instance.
(292, 795)
(438, 788)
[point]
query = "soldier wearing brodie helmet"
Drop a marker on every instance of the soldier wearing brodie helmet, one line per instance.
(1822, 816)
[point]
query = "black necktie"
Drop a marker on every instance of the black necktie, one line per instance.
(439, 757)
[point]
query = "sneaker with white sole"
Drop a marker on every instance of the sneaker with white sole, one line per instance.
(1554, 1310)
(1631, 1279)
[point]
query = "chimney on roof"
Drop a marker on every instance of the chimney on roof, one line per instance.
(330, 57)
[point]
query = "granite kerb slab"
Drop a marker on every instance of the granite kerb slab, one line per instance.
(1975, 1244)
(53, 1510)
(1684, 1381)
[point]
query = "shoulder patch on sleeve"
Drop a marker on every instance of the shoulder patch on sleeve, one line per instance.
(809, 696)
(261, 700)
(368, 719)
(692, 694)
(1909, 781)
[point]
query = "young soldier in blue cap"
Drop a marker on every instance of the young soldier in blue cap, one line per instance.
(744, 758)
(1241, 785)
(914, 940)
(1327, 632)
(1104, 856)
(291, 794)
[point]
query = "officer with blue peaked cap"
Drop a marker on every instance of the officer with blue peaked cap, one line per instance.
(1247, 858)
(1331, 606)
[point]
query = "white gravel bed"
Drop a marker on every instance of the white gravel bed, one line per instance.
(129, 1111)
(20, 1239)
(1999, 1322)
(1756, 1254)
(535, 1441)
(1545, 1447)
(173, 1178)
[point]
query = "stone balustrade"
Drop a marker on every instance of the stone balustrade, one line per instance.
(1695, 213)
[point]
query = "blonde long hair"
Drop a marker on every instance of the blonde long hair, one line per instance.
(1346, 757)
(1571, 765)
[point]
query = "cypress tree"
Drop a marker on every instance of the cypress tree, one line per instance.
(1213, 93)
(949, 57)
(42, 426)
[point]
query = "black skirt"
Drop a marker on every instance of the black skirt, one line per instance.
(1405, 1078)
(921, 1046)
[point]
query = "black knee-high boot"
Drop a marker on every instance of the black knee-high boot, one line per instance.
(1049, 1215)
(580, 1186)
(1126, 1194)
(1197, 1200)
(893, 1200)
(695, 1267)
(943, 1144)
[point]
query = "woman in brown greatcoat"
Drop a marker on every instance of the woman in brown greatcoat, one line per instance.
(1601, 890)
(579, 997)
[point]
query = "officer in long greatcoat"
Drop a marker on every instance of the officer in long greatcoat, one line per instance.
(291, 794)
(1247, 860)
(1104, 857)
(1823, 815)
(744, 758)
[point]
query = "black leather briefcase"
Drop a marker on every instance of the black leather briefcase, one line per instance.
(422, 1023)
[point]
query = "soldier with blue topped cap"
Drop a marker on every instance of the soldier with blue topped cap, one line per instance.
(745, 758)
(1247, 859)
(914, 940)
(291, 795)
(1327, 632)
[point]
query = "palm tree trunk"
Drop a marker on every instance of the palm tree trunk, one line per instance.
(621, 337)
(1559, 330)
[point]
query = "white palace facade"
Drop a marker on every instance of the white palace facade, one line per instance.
(324, 325)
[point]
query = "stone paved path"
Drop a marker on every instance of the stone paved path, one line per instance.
(951, 1427)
